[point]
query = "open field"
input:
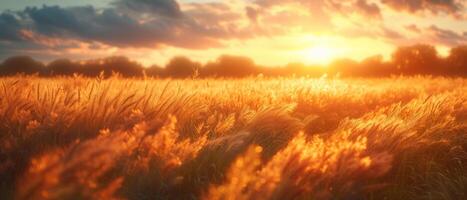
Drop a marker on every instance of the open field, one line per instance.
(254, 138)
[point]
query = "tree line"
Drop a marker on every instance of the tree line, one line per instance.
(420, 59)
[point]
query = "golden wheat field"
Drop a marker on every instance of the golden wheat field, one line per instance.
(253, 138)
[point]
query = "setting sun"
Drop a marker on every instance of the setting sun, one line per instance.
(319, 54)
(233, 99)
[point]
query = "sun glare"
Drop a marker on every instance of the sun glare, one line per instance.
(319, 54)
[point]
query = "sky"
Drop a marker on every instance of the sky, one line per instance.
(271, 32)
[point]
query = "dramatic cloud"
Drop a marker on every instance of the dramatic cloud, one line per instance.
(452, 7)
(413, 28)
(370, 9)
(10, 27)
(140, 23)
(447, 37)
(119, 29)
(169, 8)
(89, 24)
(214, 26)
(252, 13)
(437, 35)
(361, 7)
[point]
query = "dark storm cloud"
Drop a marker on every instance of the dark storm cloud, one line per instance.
(21, 46)
(169, 8)
(452, 7)
(87, 23)
(129, 23)
(10, 27)
(212, 15)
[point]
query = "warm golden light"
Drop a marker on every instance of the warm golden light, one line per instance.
(319, 54)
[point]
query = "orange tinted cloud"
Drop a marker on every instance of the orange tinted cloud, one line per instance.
(270, 31)
(451, 7)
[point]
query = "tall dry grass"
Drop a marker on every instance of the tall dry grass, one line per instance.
(255, 138)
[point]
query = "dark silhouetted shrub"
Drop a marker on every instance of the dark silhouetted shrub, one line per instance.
(181, 67)
(21, 64)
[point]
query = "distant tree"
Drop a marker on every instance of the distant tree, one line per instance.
(374, 66)
(122, 65)
(407, 60)
(231, 66)
(273, 71)
(63, 67)
(21, 64)
(344, 67)
(155, 70)
(300, 69)
(109, 65)
(92, 67)
(181, 67)
(457, 61)
(416, 59)
(295, 68)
